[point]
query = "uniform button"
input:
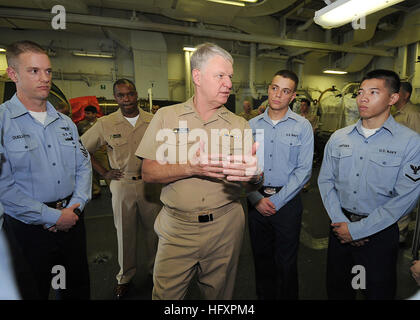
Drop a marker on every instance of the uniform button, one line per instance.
(271, 155)
(291, 143)
(354, 192)
(53, 163)
(357, 174)
(384, 162)
(49, 146)
(390, 192)
(269, 169)
(366, 142)
(58, 181)
(354, 208)
(361, 158)
(272, 141)
(269, 184)
(26, 147)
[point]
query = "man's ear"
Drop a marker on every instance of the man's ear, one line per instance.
(196, 76)
(293, 96)
(394, 98)
(11, 72)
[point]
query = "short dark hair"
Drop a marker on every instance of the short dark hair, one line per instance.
(91, 109)
(392, 79)
(407, 87)
(308, 102)
(289, 75)
(17, 48)
(123, 81)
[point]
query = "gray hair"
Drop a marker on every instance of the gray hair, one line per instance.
(205, 52)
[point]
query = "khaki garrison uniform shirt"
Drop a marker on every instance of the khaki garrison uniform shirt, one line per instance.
(249, 116)
(121, 140)
(194, 194)
(409, 116)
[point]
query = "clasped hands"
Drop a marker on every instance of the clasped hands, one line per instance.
(341, 231)
(234, 168)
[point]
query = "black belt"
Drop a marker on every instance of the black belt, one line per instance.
(268, 191)
(136, 178)
(353, 217)
(59, 204)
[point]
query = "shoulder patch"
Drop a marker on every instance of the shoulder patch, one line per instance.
(413, 173)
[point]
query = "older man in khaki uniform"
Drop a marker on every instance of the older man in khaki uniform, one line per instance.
(201, 225)
(122, 132)
(405, 112)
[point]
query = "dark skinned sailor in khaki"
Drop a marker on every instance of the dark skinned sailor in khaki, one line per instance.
(133, 201)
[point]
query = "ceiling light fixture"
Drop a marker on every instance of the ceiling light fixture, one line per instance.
(108, 55)
(2, 50)
(335, 71)
(233, 3)
(340, 12)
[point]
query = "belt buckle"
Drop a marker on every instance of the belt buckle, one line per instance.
(205, 218)
(269, 190)
(61, 204)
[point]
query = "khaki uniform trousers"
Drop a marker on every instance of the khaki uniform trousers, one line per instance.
(134, 202)
(210, 249)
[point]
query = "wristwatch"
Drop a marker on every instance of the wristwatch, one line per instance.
(78, 212)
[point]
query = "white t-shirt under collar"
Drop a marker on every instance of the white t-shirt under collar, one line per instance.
(132, 120)
(40, 116)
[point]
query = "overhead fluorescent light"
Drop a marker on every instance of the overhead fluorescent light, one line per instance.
(233, 3)
(108, 55)
(341, 12)
(191, 49)
(332, 71)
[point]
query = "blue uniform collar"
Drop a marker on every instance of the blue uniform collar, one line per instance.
(388, 125)
(289, 114)
(19, 109)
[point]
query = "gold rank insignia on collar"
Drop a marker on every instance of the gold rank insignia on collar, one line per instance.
(181, 130)
(228, 134)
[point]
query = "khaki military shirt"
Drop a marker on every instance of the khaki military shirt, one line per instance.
(313, 119)
(195, 194)
(409, 116)
(120, 138)
(84, 126)
(249, 116)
